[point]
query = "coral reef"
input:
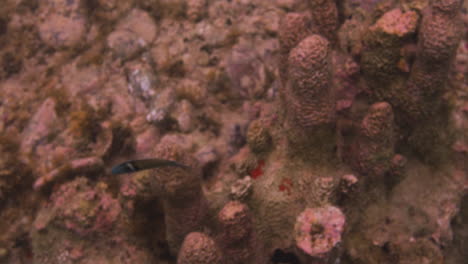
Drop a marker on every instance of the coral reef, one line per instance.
(63, 23)
(196, 10)
(85, 221)
(376, 140)
(307, 131)
(293, 28)
(238, 239)
(199, 248)
(184, 203)
(437, 43)
(381, 55)
(258, 137)
(325, 17)
(308, 91)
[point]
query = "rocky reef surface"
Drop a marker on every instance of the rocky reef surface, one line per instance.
(316, 131)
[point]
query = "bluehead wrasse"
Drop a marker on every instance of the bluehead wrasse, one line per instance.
(132, 166)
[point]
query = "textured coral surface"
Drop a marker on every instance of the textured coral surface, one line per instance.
(306, 131)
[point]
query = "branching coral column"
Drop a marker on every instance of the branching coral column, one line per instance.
(185, 205)
(325, 17)
(376, 140)
(199, 248)
(309, 98)
(237, 235)
(439, 36)
(180, 189)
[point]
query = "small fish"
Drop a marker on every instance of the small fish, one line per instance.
(145, 164)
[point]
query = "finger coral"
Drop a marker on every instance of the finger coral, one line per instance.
(325, 17)
(382, 44)
(238, 240)
(294, 27)
(183, 200)
(376, 140)
(308, 93)
(199, 248)
(437, 42)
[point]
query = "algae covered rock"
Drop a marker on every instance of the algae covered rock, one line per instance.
(64, 23)
(82, 224)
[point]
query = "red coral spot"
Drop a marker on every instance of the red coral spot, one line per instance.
(258, 171)
(285, 185)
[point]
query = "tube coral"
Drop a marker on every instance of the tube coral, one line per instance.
(199, 248)
(376, 140)
(308, 90)
(238, 239)
(325, 17)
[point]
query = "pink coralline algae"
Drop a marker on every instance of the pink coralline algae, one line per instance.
(318, 230)
(383, 42)
(396, 23)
